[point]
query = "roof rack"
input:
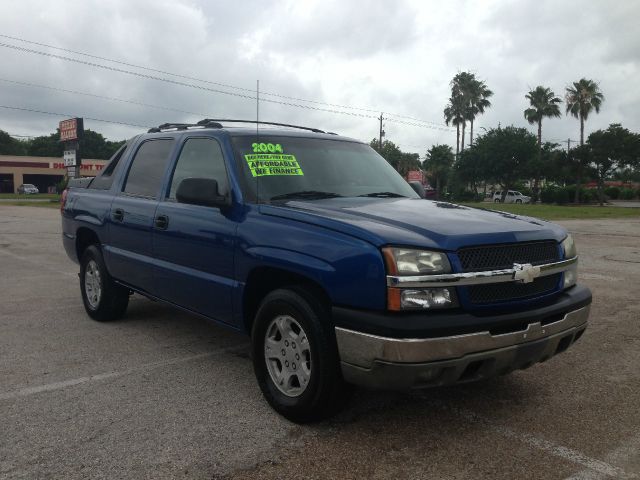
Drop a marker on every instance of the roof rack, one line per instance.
(184, 126)
(233, 120)
(215, 123)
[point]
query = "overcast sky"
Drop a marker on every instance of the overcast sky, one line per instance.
(377, 56)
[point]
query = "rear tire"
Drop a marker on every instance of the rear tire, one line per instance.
(497, 200)
(103, 299)
(295, 357)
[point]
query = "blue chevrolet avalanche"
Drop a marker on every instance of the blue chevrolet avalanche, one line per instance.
(312, 244)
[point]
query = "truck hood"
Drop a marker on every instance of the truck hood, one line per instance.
(416, 222)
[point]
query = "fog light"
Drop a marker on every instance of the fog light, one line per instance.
(428, 298)
(570, 276)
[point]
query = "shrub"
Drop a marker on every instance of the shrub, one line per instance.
(467, 196)
(627, 194)
(588, 195)
(548, 194)
(562, 195)
(612, 192)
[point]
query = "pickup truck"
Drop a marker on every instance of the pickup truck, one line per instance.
(315, 247)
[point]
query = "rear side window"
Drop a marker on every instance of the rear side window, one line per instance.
(148, 167)
(200, 158)
(105, 179)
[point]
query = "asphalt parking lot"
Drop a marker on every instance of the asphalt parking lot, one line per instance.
(162, 394)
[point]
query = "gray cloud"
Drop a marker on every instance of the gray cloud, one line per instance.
(394, 58)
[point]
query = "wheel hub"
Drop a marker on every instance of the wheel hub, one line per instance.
(93, 284)
(288, 356)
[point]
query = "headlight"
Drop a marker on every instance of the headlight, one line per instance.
(569, 247)
(408, 261)
(405, 261)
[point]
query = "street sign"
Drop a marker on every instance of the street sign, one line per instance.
(71, 172)
(69, 158)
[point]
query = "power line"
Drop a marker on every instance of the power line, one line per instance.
(67, 115)
(186, 77)
(104, 97)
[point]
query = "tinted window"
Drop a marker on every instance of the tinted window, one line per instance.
(200, 158)
(104, 180)
(148, 167)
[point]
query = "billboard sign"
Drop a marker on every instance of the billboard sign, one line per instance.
(414, 175)
(71, 129)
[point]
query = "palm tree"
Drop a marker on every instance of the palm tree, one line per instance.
(583, 98)
(472, 96)
(461, 85)
(544, 103)
(454, 114)
(478, 96)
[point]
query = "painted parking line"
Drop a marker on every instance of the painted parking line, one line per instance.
(627, 454)
(591, 465)
(49, 387)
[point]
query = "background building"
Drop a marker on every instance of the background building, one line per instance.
(43, 172)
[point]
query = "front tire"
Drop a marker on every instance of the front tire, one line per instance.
(497, 200)
(103, 299)
(295, 356)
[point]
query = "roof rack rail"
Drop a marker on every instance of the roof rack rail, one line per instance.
(184, 126)
(208, 121)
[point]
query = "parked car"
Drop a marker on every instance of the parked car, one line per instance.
(28, 189)
(512, 196)
(315, 247)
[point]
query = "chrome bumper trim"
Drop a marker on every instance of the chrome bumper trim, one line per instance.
(363, 349)
(476, 278)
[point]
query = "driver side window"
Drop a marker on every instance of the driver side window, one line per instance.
(200, 158)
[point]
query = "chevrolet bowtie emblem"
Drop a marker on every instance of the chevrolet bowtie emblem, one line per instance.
(525, 272)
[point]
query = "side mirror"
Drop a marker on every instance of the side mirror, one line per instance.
(418, 188)
(201, 191)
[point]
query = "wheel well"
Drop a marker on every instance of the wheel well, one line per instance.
(84, 238)
(263, 280)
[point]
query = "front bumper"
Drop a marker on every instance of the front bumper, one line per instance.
(402, 363)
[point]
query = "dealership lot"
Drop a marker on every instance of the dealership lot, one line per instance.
(162, 394)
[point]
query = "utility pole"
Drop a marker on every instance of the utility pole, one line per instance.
(381, 133)
(568, 144)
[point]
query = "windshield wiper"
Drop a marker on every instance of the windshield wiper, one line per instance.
(306, 195)
(382, 195)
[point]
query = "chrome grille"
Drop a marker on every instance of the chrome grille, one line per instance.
(495, 257)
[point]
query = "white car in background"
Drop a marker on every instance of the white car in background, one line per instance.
(513, 196)
(28, 189)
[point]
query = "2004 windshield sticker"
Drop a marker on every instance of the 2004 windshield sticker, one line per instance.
(269, 159)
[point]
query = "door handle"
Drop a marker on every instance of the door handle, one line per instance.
(118, 214)
(162, 222)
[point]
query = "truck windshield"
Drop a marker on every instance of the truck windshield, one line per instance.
(278, 168)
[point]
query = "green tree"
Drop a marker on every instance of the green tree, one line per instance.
(401, 161)
(582, 98)
(613, 148)
(506, 154)
(10, 145)
(45, 146)
(438, 163)
(469, 169)
(544, 103)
